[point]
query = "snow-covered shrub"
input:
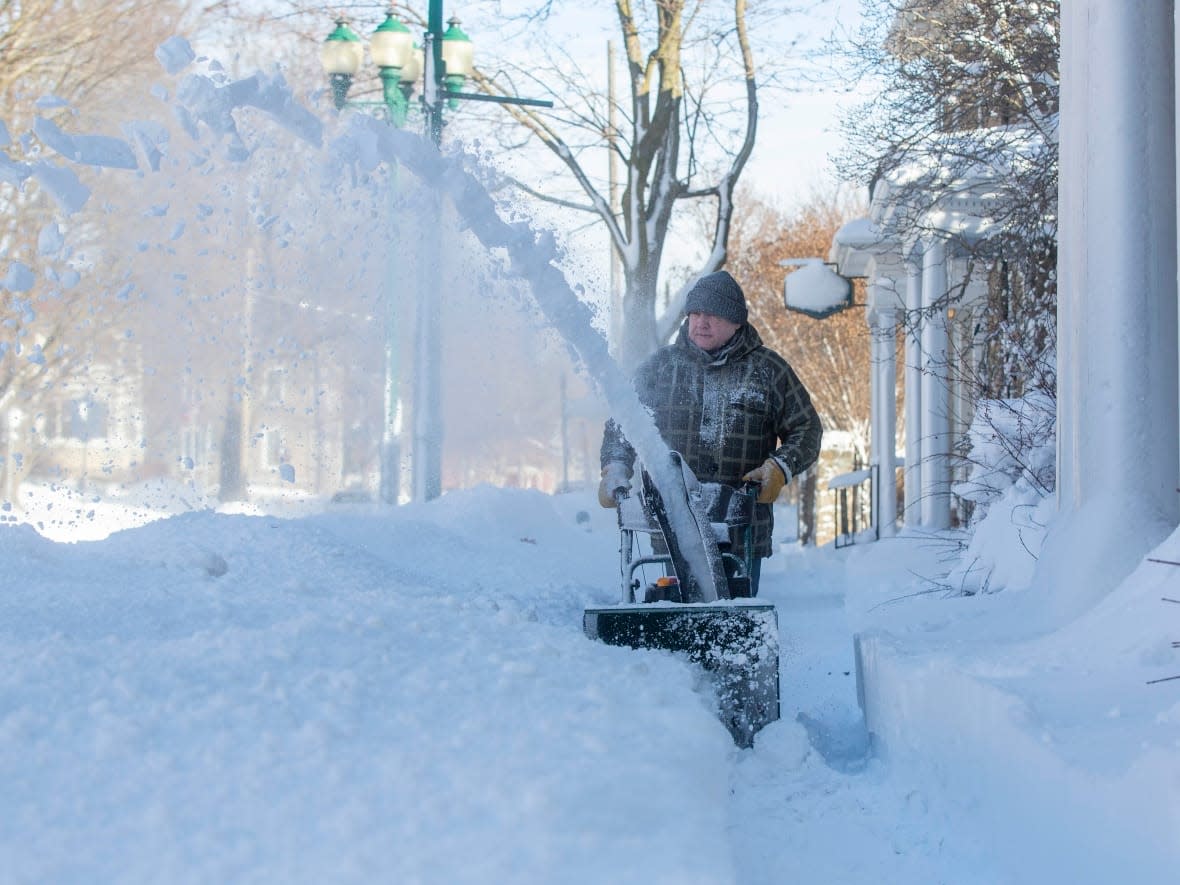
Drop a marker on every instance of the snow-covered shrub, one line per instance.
(1012, 452)
(1010, 441)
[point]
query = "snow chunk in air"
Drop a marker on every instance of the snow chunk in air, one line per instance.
(20, 277)
(63, 185)
(205, 101)
(91, 150)
(175, 54)
(50, 240)
(152, 139)
(50, 102)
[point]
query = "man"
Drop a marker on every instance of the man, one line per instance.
(732, 407)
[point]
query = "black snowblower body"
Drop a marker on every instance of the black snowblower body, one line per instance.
(700, 605)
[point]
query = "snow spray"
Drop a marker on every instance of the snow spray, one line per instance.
(532, 255)
(211, 102)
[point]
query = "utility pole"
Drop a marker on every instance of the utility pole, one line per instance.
(615, 328)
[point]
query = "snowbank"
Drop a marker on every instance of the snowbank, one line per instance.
(1063, 745)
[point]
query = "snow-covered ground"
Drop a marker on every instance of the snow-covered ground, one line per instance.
(407, 696)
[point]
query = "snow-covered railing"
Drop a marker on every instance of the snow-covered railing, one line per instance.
(853, 512)
(847, 480)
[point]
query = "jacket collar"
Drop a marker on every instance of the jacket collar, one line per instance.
(744, 340)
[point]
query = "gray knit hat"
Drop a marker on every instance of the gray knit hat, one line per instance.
(719, 294)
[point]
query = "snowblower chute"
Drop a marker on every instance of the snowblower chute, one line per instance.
(704, 612)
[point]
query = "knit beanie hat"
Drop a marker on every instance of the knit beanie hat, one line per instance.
(719, 294)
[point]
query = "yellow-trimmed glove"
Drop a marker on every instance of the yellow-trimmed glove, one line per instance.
(771, 477)
(616, 477)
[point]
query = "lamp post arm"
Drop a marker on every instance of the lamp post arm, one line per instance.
(498, 99)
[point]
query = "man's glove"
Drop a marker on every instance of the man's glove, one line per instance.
(616, 477)
(771, 477)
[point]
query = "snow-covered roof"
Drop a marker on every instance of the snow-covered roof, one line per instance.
(854, 246)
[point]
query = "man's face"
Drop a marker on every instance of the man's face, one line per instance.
(708, 332)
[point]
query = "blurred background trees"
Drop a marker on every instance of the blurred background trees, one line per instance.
(66, 70)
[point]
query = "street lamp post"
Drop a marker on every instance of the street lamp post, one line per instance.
(392, 50)
(446, 61)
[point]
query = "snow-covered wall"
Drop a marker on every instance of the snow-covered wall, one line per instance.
(1059, 816)
(1117, 379)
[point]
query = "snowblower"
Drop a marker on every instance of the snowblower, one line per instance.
(700, 605)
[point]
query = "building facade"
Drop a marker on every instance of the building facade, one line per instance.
(1118, 371)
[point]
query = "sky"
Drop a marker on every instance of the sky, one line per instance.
(798, 125)
(313, 692)
(799, 134)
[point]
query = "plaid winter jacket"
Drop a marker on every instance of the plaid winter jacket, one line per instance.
(726, 413)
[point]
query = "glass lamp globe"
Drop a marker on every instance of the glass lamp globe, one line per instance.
(392, 44)
(342, 52)
(457, 51)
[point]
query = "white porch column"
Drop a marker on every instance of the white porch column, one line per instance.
(913, 396)
(936, 494)
(883, 323)
(1176, 144)
(1118, 460)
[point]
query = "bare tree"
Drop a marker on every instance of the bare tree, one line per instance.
(68, 48)
(689, 118)
(681, 126)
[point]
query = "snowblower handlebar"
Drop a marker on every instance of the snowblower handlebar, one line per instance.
(750, 488)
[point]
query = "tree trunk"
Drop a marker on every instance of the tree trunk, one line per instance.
(232, 485)
(639, 338)
(807, 516)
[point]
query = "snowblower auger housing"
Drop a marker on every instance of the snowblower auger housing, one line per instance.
(709, 618)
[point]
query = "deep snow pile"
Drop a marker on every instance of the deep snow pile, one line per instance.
(213, 698)
(357, 696)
